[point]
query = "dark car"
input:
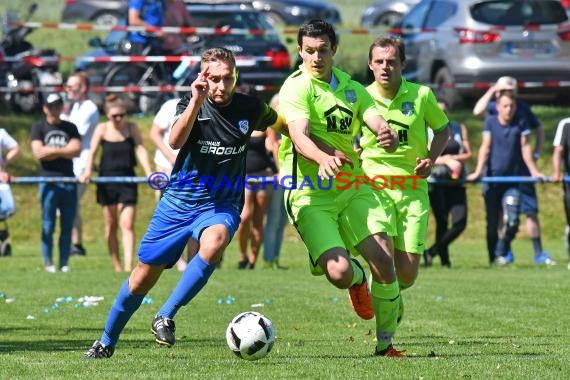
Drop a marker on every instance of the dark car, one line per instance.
(102, 12)
(291, 12)
(296, 12)
(455, 43)
(263, 60)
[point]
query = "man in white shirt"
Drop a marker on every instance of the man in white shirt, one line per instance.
(85, 115)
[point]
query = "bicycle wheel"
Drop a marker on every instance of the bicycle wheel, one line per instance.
(138, 75)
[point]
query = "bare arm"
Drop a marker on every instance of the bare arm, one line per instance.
(93, 147)
(481, 105)
(424, 166)
(47, 153)
(482, 157)
(528, 159)
(386, 136)
(12, 153)
(183, 125)
(539, 141)
(556, 164)
(140, 151)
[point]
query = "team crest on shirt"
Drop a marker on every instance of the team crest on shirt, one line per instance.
(408, 108)
(243, 126)
(350, 96)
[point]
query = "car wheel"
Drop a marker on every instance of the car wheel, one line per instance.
(275, 18)
(445, 90)
(106, 18)
(388, 19)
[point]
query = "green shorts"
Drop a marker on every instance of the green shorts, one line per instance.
(411, 209)
(331, 219)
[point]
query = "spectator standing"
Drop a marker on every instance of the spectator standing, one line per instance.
(121, 143)
(146, 13)
(276, 219)
(9, 149)
(55, 143)
(411, 109)
(449, 200)
(85, 115)
(322, 102)
(504, 151)
(257, 194)
(165, 156)
(213, 116)
(560, 168)
(529, 201)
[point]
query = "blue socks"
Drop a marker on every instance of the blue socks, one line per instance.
(123, 308)
(193, 279)
(537, 246)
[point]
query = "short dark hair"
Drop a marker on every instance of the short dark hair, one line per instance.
(389, 41)
(315, 28)
(218, 54)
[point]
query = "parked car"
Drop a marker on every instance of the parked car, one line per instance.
(385, 12)
(262, 59)
(452, 42)
(291, 12)
(101, 12)
(295, 12)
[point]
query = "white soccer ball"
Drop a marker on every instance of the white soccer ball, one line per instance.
(250, 335)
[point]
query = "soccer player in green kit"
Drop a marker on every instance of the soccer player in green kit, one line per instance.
(410, 109)
(322, 103)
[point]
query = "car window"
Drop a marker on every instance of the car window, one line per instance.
(440, 12)
(516, 12)
(238, 20)
(415, 18)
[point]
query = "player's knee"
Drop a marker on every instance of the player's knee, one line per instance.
(339, 273)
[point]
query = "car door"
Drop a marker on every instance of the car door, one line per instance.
(411, 33)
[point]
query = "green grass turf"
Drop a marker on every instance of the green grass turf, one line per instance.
(468, 322)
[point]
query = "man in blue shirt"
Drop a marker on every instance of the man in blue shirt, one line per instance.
(504, 151)
(203, 200)
(146, 13)
(528, 200)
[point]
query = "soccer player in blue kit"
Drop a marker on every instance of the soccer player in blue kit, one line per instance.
(203, 200)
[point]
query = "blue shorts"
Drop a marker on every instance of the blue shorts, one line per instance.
(528, 202)
(170, 229)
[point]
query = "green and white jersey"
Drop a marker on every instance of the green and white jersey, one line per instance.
(410, 113)
(334, 115)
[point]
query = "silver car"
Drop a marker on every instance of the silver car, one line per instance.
(456, 43)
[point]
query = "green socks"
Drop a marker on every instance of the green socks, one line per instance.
(386, 303)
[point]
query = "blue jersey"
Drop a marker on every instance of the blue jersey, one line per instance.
(151, 12)
(210, 167)
(505, 157)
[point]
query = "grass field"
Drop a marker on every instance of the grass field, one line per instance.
(467, 322)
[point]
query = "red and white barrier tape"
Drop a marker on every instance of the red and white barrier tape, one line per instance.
(241, 61)
(171, 88)
(243, 31)
(122, 89)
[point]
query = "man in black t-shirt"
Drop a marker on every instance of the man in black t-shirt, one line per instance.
(54, 143)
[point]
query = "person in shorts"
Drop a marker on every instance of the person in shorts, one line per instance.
(328, 200)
